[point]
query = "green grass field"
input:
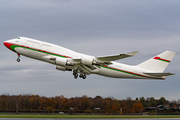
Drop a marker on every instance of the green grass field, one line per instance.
(84, 116)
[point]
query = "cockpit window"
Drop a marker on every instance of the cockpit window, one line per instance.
(17, 40)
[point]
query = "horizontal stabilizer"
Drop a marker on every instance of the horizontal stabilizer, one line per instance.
(117, 57)
(159, 74)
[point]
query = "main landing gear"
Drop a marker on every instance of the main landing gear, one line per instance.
(18, 59)
(75, 73)
(82, 76)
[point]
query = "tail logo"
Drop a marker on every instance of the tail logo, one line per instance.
(164, 60)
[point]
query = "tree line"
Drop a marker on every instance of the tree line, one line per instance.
(84, 104)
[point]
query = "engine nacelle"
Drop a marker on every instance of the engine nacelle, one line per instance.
(88, 61)
(63, 62)
(63, 68)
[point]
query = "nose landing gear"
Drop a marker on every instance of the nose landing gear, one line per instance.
(18, 59)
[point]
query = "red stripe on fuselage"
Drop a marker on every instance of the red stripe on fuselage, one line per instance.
(132, 73)
(8, 45)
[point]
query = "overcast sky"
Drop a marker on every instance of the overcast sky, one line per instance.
(94, 27)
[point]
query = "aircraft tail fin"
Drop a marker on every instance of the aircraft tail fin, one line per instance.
(158, 63)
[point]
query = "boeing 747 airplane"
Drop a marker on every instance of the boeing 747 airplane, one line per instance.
(82, 64)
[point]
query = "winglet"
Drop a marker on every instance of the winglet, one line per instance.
(132, 53)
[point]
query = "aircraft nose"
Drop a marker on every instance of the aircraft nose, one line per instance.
(7, 44)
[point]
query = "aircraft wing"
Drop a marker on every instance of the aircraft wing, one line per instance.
(90, 64)
(83, 68)
(160, 74)
(117, 57)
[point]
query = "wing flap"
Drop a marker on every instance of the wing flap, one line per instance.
(83, 69)
(159, 74)
(117, 57)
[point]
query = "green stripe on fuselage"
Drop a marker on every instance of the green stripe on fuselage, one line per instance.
(14, 46)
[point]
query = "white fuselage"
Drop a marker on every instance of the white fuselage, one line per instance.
(43, 51)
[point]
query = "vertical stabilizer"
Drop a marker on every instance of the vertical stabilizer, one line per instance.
(159, 62)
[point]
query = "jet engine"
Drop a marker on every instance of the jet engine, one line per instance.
(88, 61)
(63, 62)
(63, 68)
